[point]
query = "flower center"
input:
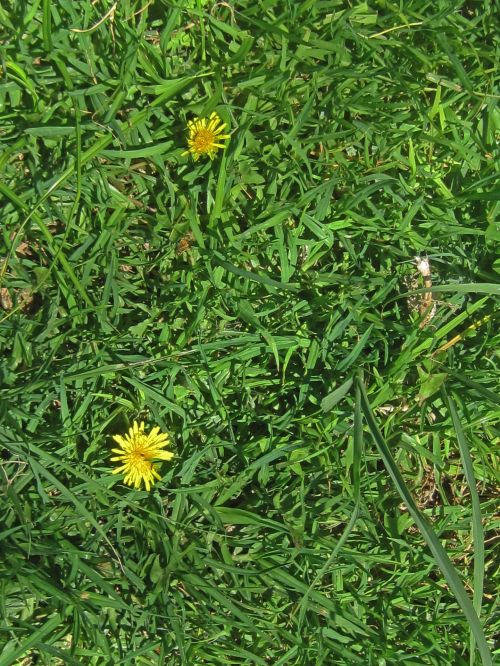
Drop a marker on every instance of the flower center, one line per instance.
(203, 140)
(139, 457)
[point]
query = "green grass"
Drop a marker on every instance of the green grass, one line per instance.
(332, 496)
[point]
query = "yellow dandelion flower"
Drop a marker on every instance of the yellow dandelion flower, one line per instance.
(205, 136)
(137, 450)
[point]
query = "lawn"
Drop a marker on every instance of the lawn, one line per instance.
(307, 310)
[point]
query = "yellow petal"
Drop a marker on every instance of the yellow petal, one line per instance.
(154, 432)
(160, 441)
(164, 455)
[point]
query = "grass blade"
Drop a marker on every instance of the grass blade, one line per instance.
(440, 555)
(477, 522)
(9, 656)
(356, 484)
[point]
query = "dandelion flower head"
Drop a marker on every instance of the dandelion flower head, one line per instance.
(136, 453)
(205, 136)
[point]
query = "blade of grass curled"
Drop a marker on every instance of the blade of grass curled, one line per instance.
(169, 90)
(10, 654)
(72, 499)
(440, 555)
(55, 251)
(358, 449)
(477, 522)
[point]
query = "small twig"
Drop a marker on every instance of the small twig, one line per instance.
(396, 27)
(10, 480)
(139, 11)
(99, 22)
(224, 4)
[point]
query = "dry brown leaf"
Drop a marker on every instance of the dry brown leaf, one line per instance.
(5, 299)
